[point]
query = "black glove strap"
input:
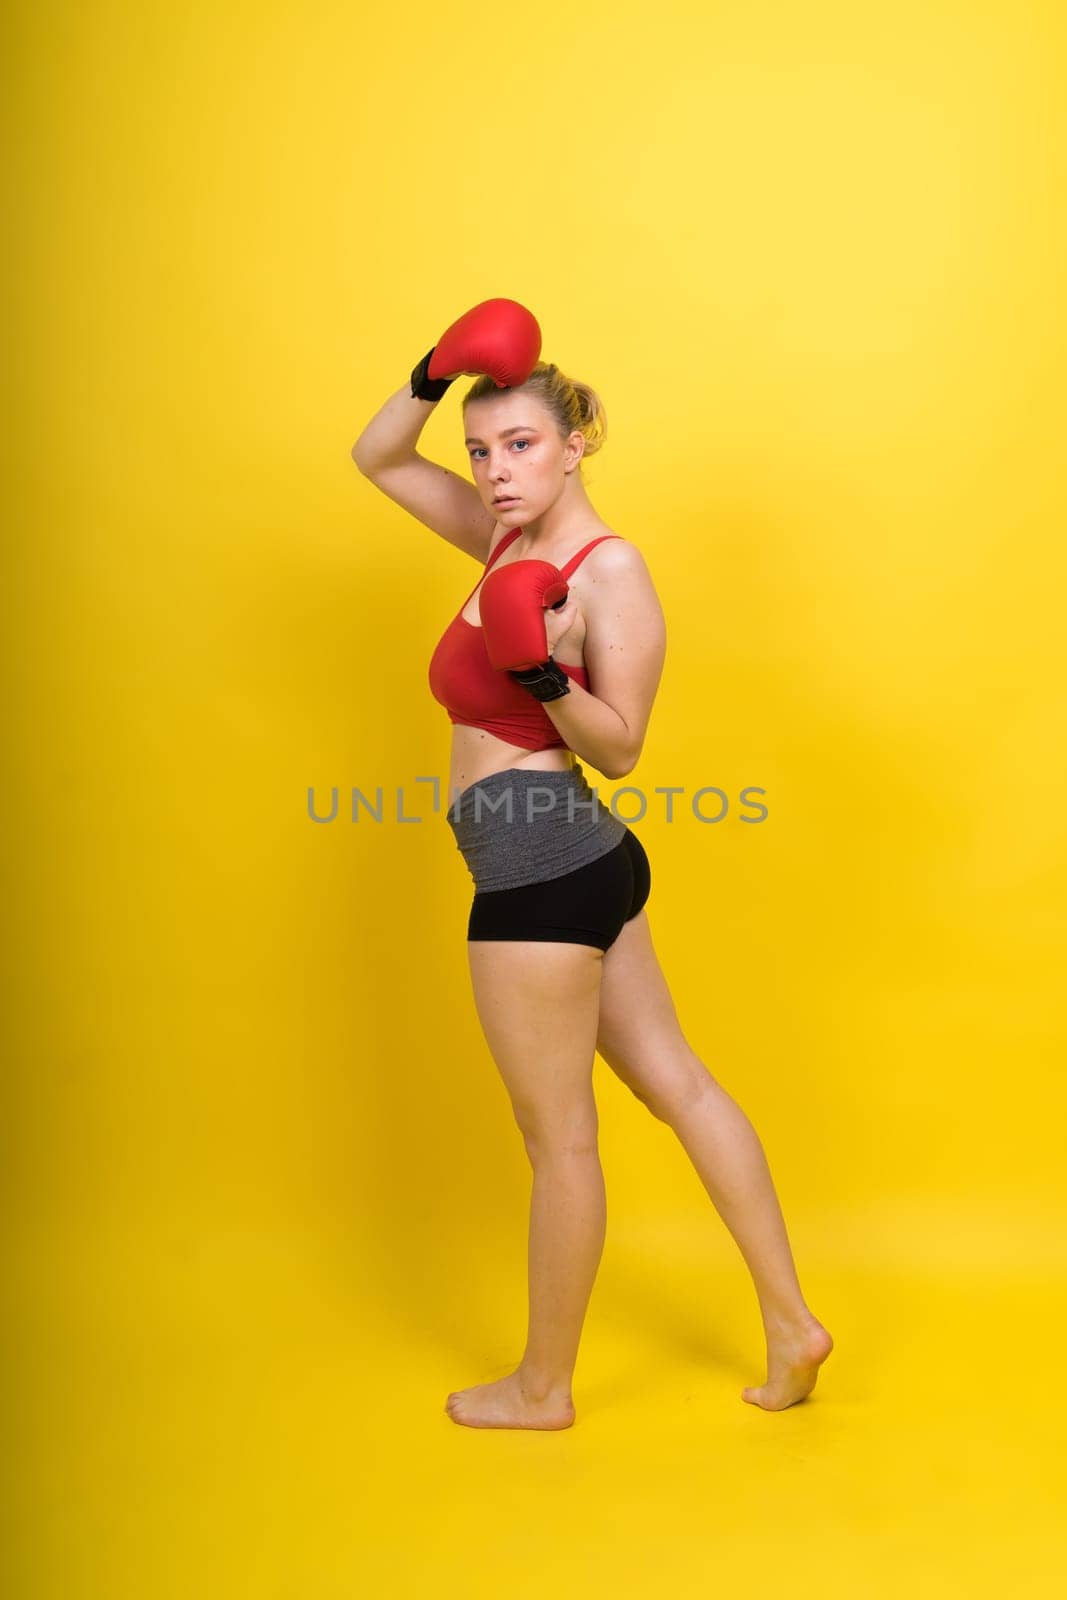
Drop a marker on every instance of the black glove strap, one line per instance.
(424, 388)
(546, 682)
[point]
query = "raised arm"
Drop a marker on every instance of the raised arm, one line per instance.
(435, 496)
(497, 337)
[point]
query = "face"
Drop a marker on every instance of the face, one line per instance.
(515, 449)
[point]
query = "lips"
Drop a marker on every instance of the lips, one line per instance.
(505, 499)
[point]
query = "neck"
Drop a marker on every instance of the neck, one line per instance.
(568, 517)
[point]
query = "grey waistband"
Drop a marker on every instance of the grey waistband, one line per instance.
(523, 826)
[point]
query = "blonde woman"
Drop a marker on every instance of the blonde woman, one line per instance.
(559, 945)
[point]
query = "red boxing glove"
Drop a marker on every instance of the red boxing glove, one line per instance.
(511, 603)
(496, 337)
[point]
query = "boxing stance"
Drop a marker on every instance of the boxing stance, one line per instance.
(555, 657)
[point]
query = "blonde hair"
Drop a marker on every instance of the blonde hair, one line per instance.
(575, 407)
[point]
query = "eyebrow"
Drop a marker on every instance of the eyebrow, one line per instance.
(522, 428)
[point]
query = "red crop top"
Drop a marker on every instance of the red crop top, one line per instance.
(479, 695)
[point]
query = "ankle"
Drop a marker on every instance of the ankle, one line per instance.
(542, 1386)
(787, 1319)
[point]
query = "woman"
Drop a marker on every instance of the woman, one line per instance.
(560, 951)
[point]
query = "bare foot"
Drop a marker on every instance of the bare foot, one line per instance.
(794, 1356)
(506, 1404)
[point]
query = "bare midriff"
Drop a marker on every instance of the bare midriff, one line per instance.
(477, 755)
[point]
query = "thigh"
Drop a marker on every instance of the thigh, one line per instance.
(639, 1035)
(538, 1003)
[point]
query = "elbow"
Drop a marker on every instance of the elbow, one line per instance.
(631, 756)
(623, 767)
(361, 456)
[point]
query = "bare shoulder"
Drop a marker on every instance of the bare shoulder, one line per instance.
(616, 570)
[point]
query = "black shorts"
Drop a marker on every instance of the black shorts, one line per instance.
(586, 906)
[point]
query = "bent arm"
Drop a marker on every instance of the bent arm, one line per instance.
(624, 648)
(440, 499)
(593, 730)
(392, 433)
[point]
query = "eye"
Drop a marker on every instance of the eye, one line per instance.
(477, 450)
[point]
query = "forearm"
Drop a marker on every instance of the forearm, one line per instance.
(595, 732)
(393, 433)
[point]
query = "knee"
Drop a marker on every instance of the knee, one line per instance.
(550, 1139)
(688, 1091)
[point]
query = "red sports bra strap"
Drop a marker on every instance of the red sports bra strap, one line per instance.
(509, 538)
(574, 560)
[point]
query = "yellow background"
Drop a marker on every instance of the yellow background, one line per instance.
(265, 1202)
